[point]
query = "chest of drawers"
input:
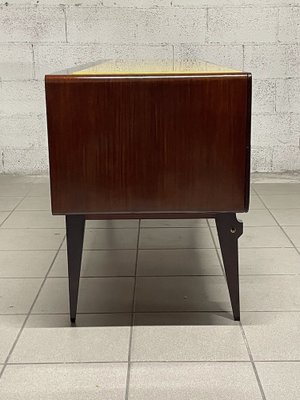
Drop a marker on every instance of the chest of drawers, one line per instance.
(145, 141)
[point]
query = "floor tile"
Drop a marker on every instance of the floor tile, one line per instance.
(42, 179)
(97, 239)
(290, 216)
(9, 179)
(112, 223)
(35, 204)
(293, 233)
(270, 293)
(105, 239)
(17, 295)
(193, 381)
(273, 336)
(276, 188)
(281, 201)
(257, 218)
(64, 382)
(187, 337)
(178, 262)
(67, 343)
(173, 223)
(10, 326)
(98, 263)
(95, 295)
(40, 189)
(194, 293)
(30, 239)
(14, 189)
(3, 216)
(28, 263)
(254, 218)
(9, 203)
(82, 320)
(260, 237)
(280, 381)
(256, 203)
(269, 261)
(164, 238)
(34, 219)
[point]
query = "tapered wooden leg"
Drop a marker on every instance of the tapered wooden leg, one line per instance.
(229, 230)
(75, 234)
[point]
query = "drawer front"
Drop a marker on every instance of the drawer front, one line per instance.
(133, 145)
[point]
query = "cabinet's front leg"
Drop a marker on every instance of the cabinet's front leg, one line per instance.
(229, 230)
(75, 234)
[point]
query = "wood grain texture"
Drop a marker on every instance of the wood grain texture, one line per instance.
(149, 146)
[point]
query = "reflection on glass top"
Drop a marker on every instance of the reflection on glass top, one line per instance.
(166, 67)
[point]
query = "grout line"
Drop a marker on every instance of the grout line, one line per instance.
(158, 248)
(132, 228)
(228, 312)
(132, 313)
(277, 28)
(147, 276)
(152, 362)
(66, 23)
(252, 363)
(10, 212)
(216, 248)
(30, 310)
(243, 52)
(284, 232)
(173, 57)
(206, 41)
(33, 62)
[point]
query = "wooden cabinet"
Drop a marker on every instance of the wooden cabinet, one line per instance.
(142, 141)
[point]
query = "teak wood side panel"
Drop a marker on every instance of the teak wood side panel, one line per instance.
(149, 145)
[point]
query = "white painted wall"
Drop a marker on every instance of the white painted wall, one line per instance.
(260, 36)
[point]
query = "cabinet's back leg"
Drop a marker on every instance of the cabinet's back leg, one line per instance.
(75, 234)
(229, 230)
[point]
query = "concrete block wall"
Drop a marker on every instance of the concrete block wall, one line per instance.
(42, 36)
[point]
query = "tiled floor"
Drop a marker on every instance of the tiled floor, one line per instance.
(180, 342)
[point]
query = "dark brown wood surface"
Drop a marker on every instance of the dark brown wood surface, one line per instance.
(149, 145)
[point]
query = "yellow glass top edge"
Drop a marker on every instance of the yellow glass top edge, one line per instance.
(152, 67)
(135, 73)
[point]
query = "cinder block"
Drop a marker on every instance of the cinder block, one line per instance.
(32, 24)
(272, 61)
(242, 25)
(227, 55)
(22, 97)
(25, 161)
(289, 24)
(272, 130)
(263, 96)
(140, 26)
(51, 58)
(77, 3)
(1, 163)
(261, 159)
(23, 131)
(137, 3)
(295, 125)
(229, 3)
(286, 158)
(48, 3)
(16, 61)
(288, 95)
(99, 3)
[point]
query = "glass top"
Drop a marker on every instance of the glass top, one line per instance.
(155, 67)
